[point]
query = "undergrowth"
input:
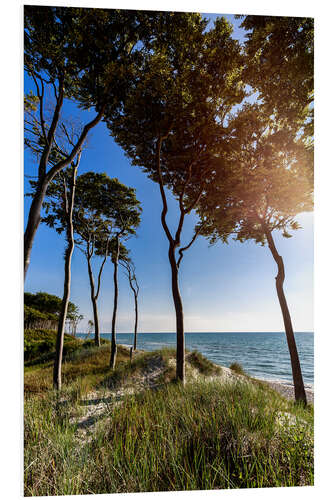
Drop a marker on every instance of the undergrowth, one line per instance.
(206, 435)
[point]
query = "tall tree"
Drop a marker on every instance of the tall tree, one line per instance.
(60, 195)
(83, 55)
(262, 184)
(105, 211)
(172, 123)
(130, 272)
(126, 218)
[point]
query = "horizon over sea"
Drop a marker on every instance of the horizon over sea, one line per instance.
(264, 355)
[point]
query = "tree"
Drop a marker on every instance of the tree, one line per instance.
(280, 57)
(42, 310)
(126, 218)
(83, 55)
(105, 210)
(262, 184)
(129, 267)
(90, 327)
(172, 123)
(59, 206)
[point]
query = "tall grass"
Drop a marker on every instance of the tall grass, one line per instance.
(205, 435)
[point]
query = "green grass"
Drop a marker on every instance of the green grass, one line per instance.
(206, 367)
(205, 435)
(237, 368)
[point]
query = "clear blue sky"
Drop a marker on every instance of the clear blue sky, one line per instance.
(224, 287)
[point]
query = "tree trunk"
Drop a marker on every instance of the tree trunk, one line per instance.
(67, 286)
(115, 305)
(180, 355)
(295, 364)
(33, 223)
(94, 303)
(136, 320)
(46, 177)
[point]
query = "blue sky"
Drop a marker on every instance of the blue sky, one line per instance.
(224, 287)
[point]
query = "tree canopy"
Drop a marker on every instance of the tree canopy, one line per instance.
(280, 62)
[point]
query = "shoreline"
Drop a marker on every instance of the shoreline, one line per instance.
(285, 388)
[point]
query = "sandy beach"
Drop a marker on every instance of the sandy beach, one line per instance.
(287, 390)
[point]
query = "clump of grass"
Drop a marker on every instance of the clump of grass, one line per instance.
(237, 368)
(204, 365)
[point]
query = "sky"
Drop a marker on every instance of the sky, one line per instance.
(224, 287)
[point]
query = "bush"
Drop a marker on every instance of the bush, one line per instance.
(237, 368)
(39, 345)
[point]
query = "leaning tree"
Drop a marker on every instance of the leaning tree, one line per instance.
(105, 212)
(123, 210)
(58, 207)
(81, 55)
(262, 183)
(130, 272)
(172, 124)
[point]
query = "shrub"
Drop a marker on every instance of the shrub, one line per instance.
(237, 368)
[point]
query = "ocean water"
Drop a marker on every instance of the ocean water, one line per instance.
(264, 355)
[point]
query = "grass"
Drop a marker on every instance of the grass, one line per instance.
(206, 435)
(237, 368)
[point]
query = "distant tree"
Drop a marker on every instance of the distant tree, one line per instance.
(73, 323)
(172, 123)
(126, 218)
(42, 310)
(105, 210)
(90, 327)
(280, 66)
(129, 267)
(262, 184)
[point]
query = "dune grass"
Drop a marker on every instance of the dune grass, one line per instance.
(206, 435)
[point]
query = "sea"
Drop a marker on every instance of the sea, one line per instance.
(263, 355)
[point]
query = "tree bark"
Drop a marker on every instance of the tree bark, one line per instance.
(136, 321)
(94, 302)
(67, 285)
(173, 244)
(279, 280)
(33, 223)
(115, 306)
(177, 300)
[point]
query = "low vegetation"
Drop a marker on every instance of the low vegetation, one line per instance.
(206, 435)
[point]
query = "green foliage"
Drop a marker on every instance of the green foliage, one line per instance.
(264, 179)
(280, 65)
(237, 368)
(42, 305)
(39, 345)
(103, 208)
(203, 364)
(183, 85)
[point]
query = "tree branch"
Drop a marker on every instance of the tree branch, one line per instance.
(182, 250)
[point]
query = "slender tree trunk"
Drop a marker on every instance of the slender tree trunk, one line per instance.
(94, 303)
(33, 223)
(136, 320)
(67, 286)
(279, 280)
(115, 305)
(173, 244)
(177, 300)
